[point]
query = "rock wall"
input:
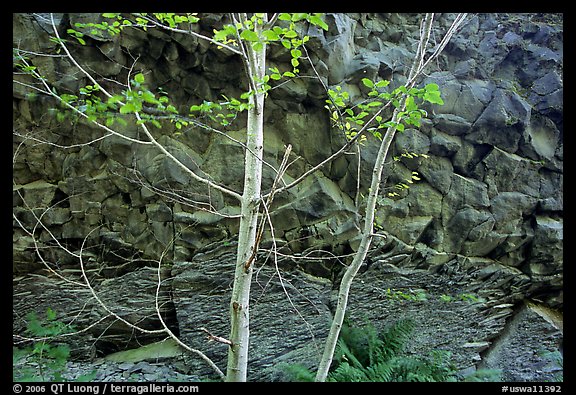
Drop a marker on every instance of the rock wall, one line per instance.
(487, 213)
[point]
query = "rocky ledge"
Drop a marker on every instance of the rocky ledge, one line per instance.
(485, 219)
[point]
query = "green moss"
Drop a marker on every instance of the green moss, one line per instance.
(163, 349)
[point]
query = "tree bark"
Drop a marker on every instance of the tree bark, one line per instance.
(360, 255)
(247, 239)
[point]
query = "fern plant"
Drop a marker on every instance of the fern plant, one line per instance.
(363, 354)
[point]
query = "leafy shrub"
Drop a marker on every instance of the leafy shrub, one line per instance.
(43, 360)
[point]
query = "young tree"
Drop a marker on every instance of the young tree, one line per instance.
(405, 108)
(248, 37)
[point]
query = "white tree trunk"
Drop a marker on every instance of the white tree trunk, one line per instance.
(247, 239)
(418, 65)
(360, 255)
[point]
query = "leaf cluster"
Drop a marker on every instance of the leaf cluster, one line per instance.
(137, 98)
(102, 29)
(410, 295)
(464, 297)
(118, 22)
(43, 360)
(223, 112)
(402, 186)
(348, 117)
(286, 34)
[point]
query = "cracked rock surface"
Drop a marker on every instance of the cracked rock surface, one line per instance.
(485, 218)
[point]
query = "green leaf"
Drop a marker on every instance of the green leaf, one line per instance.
(433, 97)
(432, 87)
(317, 21)
(410, 104)
(382, 84)
(271, 35)
(127, 108)
(139, 78)
(249, 35)
(149, 97)
(74, 32)
(50, 314)
(285, 17)
(180, 18)
(296, 53)
(368, 82)
(114, 99)
(299, 16)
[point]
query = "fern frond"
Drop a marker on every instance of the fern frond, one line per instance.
(344, 354)
(298, 372)
(357, 341)
(391, 341)
(381, 372)
(347, 373)
(421, 370)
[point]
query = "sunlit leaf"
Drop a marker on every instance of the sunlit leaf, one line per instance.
(139, 78)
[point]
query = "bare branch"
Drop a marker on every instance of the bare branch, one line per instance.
(192, 33)
(74, 60)
(409, 84)
(216, 338)
(169, 331)
(50, 92)
(32, 234)
(183, 166)
(143, 126)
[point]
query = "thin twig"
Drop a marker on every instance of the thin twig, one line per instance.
(191, 33)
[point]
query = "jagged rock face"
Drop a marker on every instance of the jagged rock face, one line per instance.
(488, 207)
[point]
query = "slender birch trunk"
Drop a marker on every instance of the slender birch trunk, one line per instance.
(247, 239)
(367, 232)
(365, 242)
